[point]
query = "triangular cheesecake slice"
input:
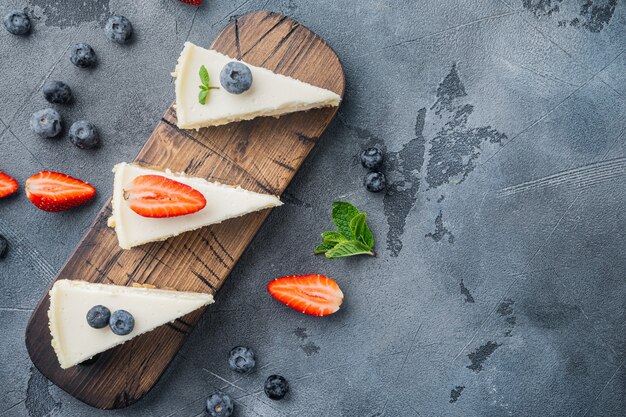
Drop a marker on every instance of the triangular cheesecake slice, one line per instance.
(270, 94)
(75, 341)
(222, 202)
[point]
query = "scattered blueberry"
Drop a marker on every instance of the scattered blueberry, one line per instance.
(82, 55)
(17, 23)
(241, 359)
(236, 77)
(46, 123)
(4, 246)
(121, 322)
(84, 135)
(98, 316)
(219, 405)
(375, 181)
(372, 158)
(90, 361)
(57, 92)
(118, 29)
(276, 387)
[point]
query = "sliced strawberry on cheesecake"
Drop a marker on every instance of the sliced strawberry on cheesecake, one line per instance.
(8, 185)
(150, 205)
(55, 191)
(314, 294)
(156, 196)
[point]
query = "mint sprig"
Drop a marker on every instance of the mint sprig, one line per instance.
(352, 237)
(203, 95)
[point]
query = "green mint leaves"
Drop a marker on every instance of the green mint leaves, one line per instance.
(203, 95)
(352, 237)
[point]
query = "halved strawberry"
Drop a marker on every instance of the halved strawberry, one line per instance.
(55, 191)
(192, 2)
(158, 196)
(312, 294)
(8, 185)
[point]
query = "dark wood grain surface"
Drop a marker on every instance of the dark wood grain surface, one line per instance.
(261, 155)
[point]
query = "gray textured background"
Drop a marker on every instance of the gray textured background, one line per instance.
(499, 288)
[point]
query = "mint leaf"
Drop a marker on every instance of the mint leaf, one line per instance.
(202, 96)
(352, 237)
(361, 231)
(348, 248)
(324, 247)
(204, 76)
(343, 213)
(333, 237)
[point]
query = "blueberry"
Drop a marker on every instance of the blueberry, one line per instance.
(82, 55)
(276, 387)
(57, 92)
(121, 322)
(241, 359)
(236, 77)
(84, 135)
(46, 123)
(98, 316)
(375, 181)
(372, 158)
(118, 29)
(219, 405)
(17, 23)
(4, 246)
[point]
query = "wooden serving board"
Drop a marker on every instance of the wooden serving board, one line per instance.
(261, 155)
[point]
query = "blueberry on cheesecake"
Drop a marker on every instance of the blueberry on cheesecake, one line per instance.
(98, 316)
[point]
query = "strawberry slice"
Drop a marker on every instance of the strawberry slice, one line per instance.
(8, 185)
(55, 191)
(312, 294)
(192, 2)
(157, 196)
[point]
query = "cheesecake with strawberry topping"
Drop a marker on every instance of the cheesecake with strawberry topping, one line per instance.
(266, 93)
(150, 205)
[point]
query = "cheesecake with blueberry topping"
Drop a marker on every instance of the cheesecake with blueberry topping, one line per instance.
(87, 318)
(234, 94)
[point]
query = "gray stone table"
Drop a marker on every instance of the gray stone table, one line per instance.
(499, 288)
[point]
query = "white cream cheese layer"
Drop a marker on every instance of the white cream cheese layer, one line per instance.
(74, 340)
(271, 94)
(223, 202)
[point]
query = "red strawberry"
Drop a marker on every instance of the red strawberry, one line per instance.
(8, 185)
(54, 191)
(312, 294)
(192, 2)
(158, 196)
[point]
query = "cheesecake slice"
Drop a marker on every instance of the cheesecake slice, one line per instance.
(75, 341)
(222, 202)
(270, 94)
